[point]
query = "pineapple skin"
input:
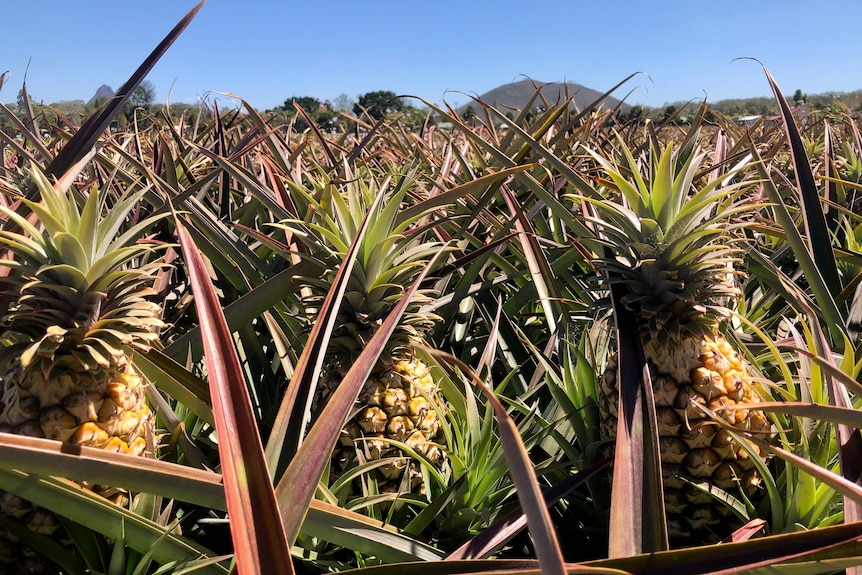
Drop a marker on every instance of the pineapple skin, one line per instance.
(398, 402)
(698, 371)
(105, 409)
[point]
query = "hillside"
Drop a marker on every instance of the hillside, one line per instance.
(516, 95)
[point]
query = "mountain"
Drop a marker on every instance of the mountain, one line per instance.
(517, 94)
(104, 92)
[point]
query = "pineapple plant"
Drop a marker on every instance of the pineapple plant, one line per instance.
(76, 306)
(396, 415)
(672, 249)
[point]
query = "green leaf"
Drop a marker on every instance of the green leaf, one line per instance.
(539, 522)
(97, 513)
(663, 197)
(289, 427)
(828, 308)
(814, 219)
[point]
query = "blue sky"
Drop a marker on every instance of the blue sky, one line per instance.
(267, 51)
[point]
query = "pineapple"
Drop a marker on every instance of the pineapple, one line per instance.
(74, 311)
(400, 402)
(673, 253)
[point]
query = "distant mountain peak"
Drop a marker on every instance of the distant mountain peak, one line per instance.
(104, 92)
(516, 95)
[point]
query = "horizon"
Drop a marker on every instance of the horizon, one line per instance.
(419, 105)
(266, 53)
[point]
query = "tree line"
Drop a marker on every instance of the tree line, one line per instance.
(327, 115)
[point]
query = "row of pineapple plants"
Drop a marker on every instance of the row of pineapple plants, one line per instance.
(532, 235)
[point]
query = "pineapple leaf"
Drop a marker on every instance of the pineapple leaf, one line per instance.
(812, 208)
(777, 554)
(59, 213)
(88, 225)
(47, 547)
(663, 196)
(66, 279)
(20, 221)
(107, 269)
(130, 236)
(258, 534)
(88, 135)
(72, 251)
(95, 512)
(24, 247)
(538, 519)
(826, 304)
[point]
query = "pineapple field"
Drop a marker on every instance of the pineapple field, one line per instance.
(556, 341)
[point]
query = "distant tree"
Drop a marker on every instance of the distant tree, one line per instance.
(142, 98)
(669, 112)
(7, 126)
(468, 114)
(322, 114)
(532, 114)
(799, 97)
(325, 116)
(309, 104)
(416, 119)
(379, 103)
(635, 114)
(21, 100)
(343, 102)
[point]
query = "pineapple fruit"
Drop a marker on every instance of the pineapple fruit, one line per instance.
(75, 308)
(673, 253)
(399, 404)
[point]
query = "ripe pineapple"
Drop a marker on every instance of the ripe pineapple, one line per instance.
(671, 251)
(399, 403)
(74, 310)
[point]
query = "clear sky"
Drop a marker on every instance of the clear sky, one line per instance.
(267, 50)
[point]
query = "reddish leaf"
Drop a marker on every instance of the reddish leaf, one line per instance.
(87, 136)
(637, 523)
(258, 535)
(290, 422)
(747, 531)
(747, 556)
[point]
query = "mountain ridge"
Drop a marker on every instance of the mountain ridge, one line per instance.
(516, 95)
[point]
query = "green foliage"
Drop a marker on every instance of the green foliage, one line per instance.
(140, 103)
(378, 103)
(322, 114)
(23, 98)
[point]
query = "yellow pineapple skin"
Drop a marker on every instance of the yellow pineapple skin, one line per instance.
(398, 402)
(700, 372)
(106, 409)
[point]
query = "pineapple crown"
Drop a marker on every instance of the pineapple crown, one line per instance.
(391, 255)
(72, 285)
(668, 239)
